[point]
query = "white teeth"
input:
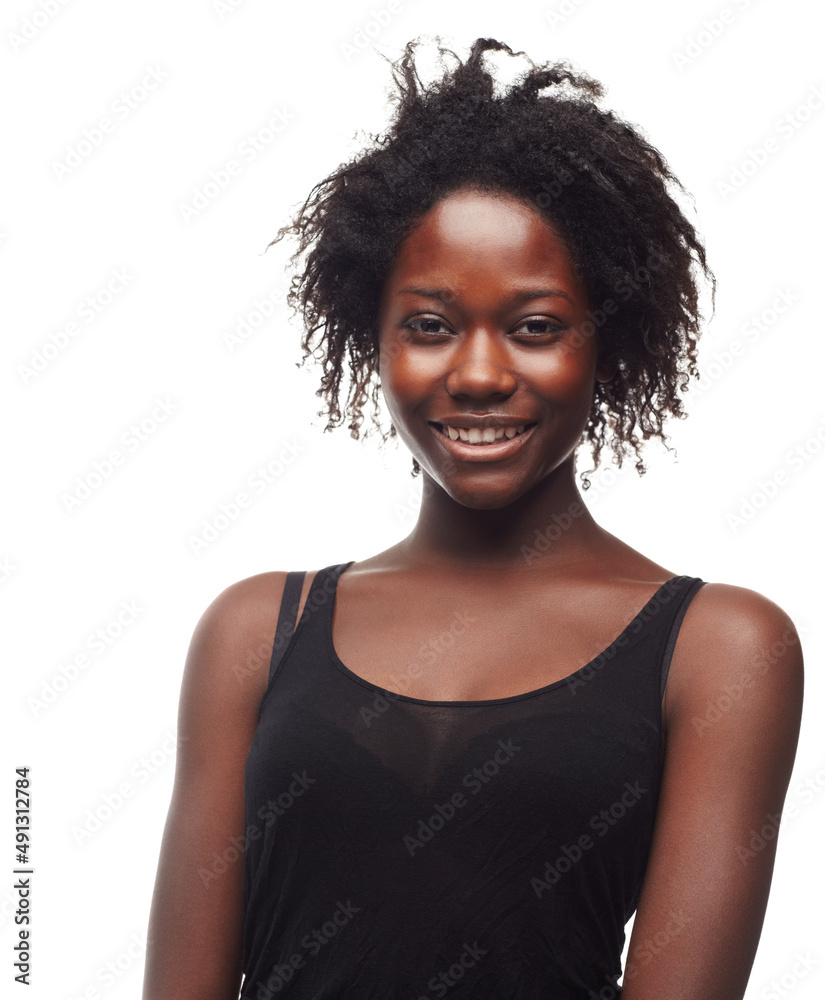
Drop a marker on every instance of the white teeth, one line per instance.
(479, 435)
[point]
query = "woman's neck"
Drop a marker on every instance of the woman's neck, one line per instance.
(549, 523)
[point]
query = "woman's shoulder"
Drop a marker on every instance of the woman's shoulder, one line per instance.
(244, 604)
(735, 646)
(728, 614)
(251, 601)
(250, 606)
(232, 642)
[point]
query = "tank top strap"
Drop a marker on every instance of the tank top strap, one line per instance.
(307, 636)
(316, 616)
(287, 615)
(685, 589)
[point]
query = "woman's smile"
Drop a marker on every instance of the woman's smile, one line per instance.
(483, 443)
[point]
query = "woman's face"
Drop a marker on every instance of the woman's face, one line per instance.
(480, 336)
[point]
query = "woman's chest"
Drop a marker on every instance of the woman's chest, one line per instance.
(450, 645)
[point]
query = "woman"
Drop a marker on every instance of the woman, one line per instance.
(481, 750)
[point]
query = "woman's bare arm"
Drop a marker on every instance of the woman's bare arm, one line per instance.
(196, 920)
(734, 704)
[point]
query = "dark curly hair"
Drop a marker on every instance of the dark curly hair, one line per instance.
(595, 179)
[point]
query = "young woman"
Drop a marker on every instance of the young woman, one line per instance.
(482, 750)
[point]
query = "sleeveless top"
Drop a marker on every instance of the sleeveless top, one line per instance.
(403, 849)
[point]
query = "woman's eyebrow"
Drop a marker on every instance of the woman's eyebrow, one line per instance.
(442, 294)
(445, 295)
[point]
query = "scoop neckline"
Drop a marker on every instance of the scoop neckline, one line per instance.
(393, 696)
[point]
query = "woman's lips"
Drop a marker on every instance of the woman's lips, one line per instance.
(483, 452)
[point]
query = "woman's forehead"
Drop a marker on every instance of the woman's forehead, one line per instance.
(472, 229)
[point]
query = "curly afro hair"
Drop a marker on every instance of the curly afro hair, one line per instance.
(593, 177)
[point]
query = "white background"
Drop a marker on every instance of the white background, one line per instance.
(710, 100)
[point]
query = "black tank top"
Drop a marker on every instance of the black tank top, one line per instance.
(400, 849)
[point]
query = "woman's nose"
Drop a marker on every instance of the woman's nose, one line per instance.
(480, 366)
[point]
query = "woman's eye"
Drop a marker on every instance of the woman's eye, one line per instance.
(427, 324)
(538, 327)
(435, 327)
